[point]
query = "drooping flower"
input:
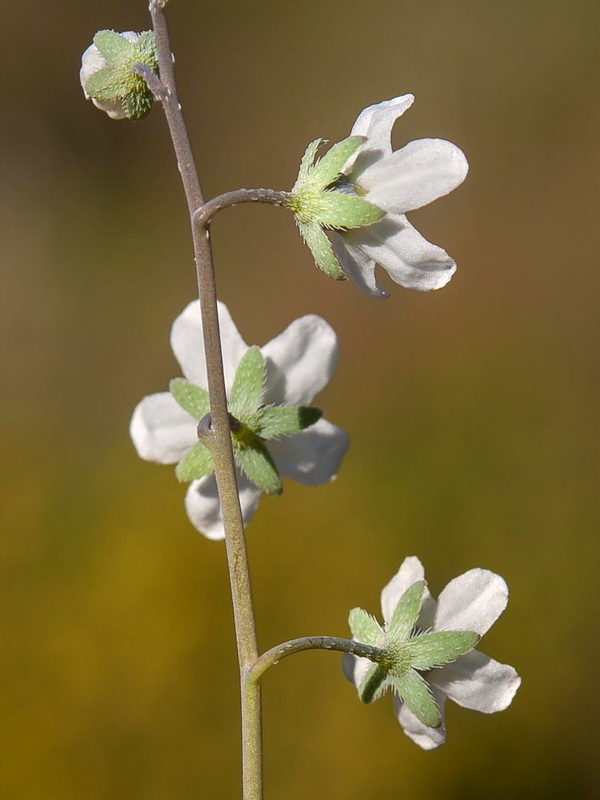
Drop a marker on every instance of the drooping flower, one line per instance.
(431, 653)
(366, 201)
(108, 77)
(268, 391)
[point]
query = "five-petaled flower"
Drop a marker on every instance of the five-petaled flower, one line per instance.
(470, 603)
(396, 182)
(268, 389)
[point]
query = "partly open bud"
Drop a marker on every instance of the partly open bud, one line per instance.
(108, 75)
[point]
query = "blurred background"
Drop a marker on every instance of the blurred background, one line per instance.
(472, 411)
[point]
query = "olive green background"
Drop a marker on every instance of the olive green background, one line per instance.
(472, 411)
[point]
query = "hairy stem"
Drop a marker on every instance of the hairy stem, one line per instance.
(275, 654)
(219, 441)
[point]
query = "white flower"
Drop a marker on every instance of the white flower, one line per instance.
(471, 602)
(93, 61)
(299, 363)
(397, 182)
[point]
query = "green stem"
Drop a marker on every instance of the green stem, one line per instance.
(221, 450)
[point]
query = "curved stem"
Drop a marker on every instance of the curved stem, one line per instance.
(275, 654)
(220, 439)
(234, 198)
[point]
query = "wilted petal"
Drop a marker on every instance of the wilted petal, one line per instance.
(311, 456)
(415, 175)
(203, 508)
(357, 265)
(376, 123)
(161, 430)
(408, 257)
(478, 682)
(188, 344)
(300, 361)
(411, 571)
(427, 738)
(471, 602)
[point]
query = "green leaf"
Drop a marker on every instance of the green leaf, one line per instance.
(191, 398)
(320, 247)
(341, 210)
(248, 385)
(416, 694)
(374, 685)
(196, 463)
(406, 612)
(365, 628)
(255, 460)
(113, 46)
(275, 421)
(434, 649)
(329, 167)
(106, 84)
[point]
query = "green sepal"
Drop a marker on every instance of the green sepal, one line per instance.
(308, 159)
(439, 647)
(274, 421)
(255, 460)
(329, 167)
(321, 249)
(416, 694)
(248, 385)
(196, 463)
(191, 398)
(341, 210)
(365, 627)
(106, 84)
(406, 613)
(113, 46)
(374, 685)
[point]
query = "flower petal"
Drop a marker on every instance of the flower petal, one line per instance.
(357, 265)
(300, 361)
(203, 508)
(477, 682)
(471, 602)
(161, 430)
(355, 668)
(427, 738)
(408, 257)
(376, 123)
(312, 456)
(411, 571)
(188, 344)
(415, 175)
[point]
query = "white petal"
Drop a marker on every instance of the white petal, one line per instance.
(471, 602)
(478, 682)
(408, 257)
(188, 344)
(411, 570)
(355, 668)
(92, 61)
(161, 430)
(414, 176)
(376, 123)
(358, 266)
(427, 738)
(300, 361)
(203, 508)
(312, 456)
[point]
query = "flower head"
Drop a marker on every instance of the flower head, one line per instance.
(275, 433)
(365, 201)
(108, 76)
(430, 650)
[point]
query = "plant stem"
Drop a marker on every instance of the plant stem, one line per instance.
(220, 446)
(275, 654)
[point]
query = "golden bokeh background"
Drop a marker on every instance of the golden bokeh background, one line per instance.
(472, 411)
